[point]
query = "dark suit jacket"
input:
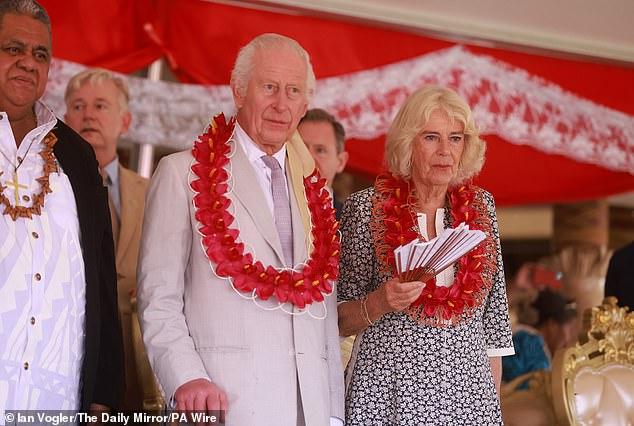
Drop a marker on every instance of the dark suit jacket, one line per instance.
(338, 205)
(619, 281)
(102, 369)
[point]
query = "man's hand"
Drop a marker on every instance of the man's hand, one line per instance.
(202, 396)
(96, 410)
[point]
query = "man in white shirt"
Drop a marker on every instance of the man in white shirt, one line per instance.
(60, 341)
(232, 320)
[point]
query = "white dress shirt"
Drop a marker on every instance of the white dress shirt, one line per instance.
(42, 284)
(262, 172)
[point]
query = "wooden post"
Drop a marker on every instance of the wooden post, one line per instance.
(580, 240)
(621, 226)
(584, 223)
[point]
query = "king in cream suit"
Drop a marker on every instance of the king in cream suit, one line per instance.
(210, 347)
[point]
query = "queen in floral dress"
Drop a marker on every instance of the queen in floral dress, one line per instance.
(427, 352)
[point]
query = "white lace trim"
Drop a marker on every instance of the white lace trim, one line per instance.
(521, 108)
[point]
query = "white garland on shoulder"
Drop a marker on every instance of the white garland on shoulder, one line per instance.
(507, 101)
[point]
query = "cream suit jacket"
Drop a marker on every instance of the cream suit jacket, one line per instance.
(132, 188)
(196, 326)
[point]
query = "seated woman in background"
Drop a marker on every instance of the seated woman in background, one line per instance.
(555, 328)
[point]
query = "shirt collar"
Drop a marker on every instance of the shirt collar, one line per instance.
(46, 120)
(253, 151)
(44, 115)
(112, 168)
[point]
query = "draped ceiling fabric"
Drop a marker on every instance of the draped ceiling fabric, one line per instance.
(557, 130)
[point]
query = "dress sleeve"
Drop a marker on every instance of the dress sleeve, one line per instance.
(358, 266)
(497, 324)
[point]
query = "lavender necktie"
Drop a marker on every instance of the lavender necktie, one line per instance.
(281, 206)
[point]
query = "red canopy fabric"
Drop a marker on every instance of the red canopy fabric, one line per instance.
(108, 34)
(200, 40)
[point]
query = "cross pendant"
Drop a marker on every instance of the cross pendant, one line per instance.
(16, 185)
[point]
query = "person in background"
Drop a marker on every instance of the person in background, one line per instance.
(325, 138)
(527, 281)
(97, 109)
(427, 351)
(619, 281)
(535, 346)
(59, 330)
(225, 323)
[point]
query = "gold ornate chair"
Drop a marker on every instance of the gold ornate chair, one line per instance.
(593, 381)
(528, 407)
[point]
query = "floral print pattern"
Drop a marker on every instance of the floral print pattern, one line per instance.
(404, 373)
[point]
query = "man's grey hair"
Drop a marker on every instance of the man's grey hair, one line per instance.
(96, 76)
(29, 8)
(243, 66)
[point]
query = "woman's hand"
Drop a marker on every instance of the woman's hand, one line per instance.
(392, 296)
(395, 296)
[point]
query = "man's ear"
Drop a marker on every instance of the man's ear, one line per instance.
(238, 97)
(126, 120)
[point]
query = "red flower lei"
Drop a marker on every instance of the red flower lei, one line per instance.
(394, 224)
(221, 244)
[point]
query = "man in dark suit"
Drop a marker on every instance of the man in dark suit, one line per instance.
(59, 331)
(619, 281)
(97, 108)
(325, 137)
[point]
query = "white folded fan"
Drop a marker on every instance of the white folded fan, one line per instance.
(419, 258)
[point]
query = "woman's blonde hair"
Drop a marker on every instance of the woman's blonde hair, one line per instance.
(413, 117)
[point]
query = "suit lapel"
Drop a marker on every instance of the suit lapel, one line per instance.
(299, 230)
(299, 163)
(247, 191)
(89, 192)
(131, 211)
(86, 193)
